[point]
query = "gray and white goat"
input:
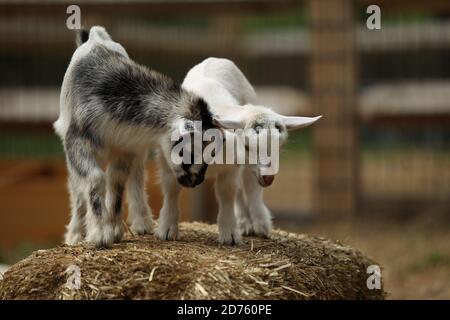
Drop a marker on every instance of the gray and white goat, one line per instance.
(234, 104)
(112, 113)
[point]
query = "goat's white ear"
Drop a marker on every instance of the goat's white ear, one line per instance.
(228, 123)
(231, 117)
(294, 123)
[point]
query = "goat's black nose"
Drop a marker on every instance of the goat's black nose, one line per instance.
(190, 181)
(198, 179)
(185, 181)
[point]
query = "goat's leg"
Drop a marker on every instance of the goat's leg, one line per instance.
(75, 228)
(226, 188)
(260, 216)
(242, 213)
(168, 216)
(139, 212)
(116, 177)
(91, 181)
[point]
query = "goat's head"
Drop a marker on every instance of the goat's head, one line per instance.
(258, 120)
(185, 146)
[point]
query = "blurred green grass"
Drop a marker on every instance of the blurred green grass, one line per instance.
(25, 145)
(44, 145)
(435, 258)
(296, 17)
(23, 250)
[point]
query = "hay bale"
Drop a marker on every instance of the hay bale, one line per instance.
(287, 266)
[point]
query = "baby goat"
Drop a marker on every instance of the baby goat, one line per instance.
(233, 102)
(112, 112)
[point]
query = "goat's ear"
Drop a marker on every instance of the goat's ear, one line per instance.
(233, 118)
(224, 123)
(294, 123)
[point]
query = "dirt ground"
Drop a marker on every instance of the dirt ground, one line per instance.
(414, 254)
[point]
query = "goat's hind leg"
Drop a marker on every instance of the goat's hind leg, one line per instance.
(139, 212)
(91, 181)
(116, 177)
(75, 229)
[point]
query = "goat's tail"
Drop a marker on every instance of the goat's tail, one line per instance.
(81, 37)
(96, 32)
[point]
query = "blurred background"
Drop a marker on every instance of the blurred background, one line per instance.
(373, 173)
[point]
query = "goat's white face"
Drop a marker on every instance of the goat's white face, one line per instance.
(257, 120)
(273, 125)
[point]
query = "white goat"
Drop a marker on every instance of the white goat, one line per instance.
(112, 112)
(233, 103)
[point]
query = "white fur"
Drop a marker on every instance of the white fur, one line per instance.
(233, 102)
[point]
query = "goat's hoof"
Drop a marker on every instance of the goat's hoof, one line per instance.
(246, 227)
(258, 229)
(118, 232)
(73, 238)
(262, 229)
(102, 237)
(230, 237)
(167, 232)
(142, 228)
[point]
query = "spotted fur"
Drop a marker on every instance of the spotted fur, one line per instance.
(113, 112)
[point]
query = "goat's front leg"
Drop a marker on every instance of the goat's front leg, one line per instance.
(168, 216)
(226, 188)
(116, 177)
(260, 222)
(139, 212)
(242, 213)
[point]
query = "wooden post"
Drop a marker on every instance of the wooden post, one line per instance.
(333, 84)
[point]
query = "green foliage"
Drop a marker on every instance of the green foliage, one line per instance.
(23, 250)
(389, 18)
(293, 18)
(299, 145)
(22, 145)
(436, 258)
